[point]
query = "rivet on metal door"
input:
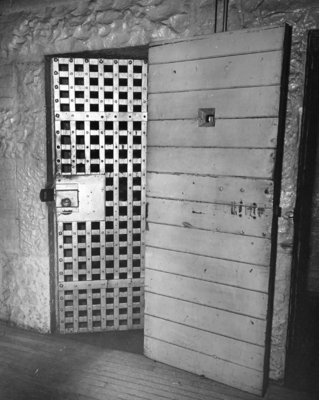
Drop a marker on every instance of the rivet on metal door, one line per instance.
(100, 116)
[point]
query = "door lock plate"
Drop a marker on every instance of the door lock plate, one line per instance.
(80, 198)
(206, 117)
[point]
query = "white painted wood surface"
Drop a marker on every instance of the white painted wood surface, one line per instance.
(201, 291)
(226, 133)
(218, 45)
(221, 347)
(210, 195)
(220, 190)
(233, 273)
(250, 102)
(256, 69)
(256, 163)
(220, 322)
(227, 246)
(251, 220)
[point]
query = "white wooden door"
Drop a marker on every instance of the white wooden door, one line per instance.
(211, 193)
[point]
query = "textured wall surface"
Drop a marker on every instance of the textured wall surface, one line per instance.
(31, 29)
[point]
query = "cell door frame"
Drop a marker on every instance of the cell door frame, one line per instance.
(139, 53)
(142, 52)
(282, 117)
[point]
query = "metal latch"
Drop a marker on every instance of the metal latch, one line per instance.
(46, 195)
(206, 117)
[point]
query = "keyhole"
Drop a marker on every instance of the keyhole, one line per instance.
(66, 202)
(210, 119)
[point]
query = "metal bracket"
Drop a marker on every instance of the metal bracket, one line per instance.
(206, 117)
(46, 195)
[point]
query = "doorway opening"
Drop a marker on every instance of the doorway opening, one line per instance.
(302, 367)
(212, 198)
(98, 158)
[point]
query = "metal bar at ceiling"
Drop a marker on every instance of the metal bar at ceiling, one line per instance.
(225, 15)
(215, 16)
(225, 6)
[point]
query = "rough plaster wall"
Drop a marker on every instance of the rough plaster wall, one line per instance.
(23, 245)
(48, 27)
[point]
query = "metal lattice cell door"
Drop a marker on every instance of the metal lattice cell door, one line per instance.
(100, 122)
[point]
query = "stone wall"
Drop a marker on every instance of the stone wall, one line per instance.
(31, 29)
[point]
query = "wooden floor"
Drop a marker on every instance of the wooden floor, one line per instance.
(86, 367)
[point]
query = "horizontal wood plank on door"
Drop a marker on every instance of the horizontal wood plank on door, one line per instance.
(217, 45)
(256, 133)
(240, 377)
(233, 273)
(222, 190)
(215, 217)
(228, 103)
(229, 298)
(215, 73)
(247, 249)
(220, 347)
(255, 163)
(221, 322)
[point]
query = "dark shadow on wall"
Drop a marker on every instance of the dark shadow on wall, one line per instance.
(302, 370)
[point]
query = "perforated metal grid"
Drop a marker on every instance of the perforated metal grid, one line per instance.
(100, 116)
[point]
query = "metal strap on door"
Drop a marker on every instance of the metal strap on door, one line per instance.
(100, 117)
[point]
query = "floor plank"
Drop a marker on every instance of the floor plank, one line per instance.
(92, 367)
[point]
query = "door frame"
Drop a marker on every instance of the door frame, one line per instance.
(304, 191)
(277, 194)
(50, 184)
(142, 52)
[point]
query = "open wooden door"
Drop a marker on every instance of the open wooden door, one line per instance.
(213, 192)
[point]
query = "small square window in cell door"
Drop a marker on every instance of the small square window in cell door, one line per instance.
(100, 117)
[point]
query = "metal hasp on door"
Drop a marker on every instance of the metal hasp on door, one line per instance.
(215, 138)
(100, 117)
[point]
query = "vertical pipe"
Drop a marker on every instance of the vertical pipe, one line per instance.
(225, 15)
(215, 22)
